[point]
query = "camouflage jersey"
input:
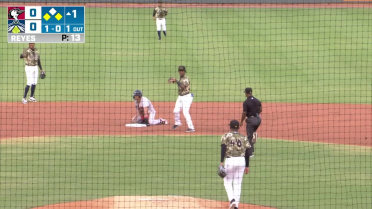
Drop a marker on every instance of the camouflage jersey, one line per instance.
(236, 144)
(183, 86)
(160, 12)
(31, 57)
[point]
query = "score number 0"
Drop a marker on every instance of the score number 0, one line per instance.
(33, 25)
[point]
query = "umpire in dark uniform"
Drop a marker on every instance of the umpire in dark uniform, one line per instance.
(251, 114)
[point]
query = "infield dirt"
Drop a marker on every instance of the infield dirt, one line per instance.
(327, 123)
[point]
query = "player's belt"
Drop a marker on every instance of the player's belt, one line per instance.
(31, 65)
(233, 156)
(184, 94)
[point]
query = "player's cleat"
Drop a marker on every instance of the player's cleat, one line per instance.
(32, 99)
(175, 127)
(251, 156)
(189, 130)
(236, 208)
(24, 101)
(163, 121)
(232, 204)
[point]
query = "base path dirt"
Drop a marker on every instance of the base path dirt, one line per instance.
(327, 123)
(149, 202)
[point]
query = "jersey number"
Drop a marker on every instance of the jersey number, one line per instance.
(238, 143)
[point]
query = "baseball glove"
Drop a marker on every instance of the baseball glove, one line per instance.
(42, 75)
(146, 122)
(221, 171)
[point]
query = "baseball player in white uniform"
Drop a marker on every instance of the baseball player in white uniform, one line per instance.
(184, 100)
(145, 111)
(235, 158)
(31, 57)
(159, 14)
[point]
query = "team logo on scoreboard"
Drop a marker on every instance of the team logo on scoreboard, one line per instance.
(16, 20)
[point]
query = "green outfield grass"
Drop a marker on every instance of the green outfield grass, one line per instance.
(284, 174)
(286, 55)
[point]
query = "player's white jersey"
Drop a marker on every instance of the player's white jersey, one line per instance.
(145, 103)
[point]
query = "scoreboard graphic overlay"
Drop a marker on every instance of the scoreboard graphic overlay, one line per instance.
(46, 24)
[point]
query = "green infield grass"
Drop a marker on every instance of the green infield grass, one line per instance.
(284, 174)
(286, 55)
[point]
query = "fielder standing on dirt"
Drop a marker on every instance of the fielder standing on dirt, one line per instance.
(31, 57)
(251, 115)
(159, 14)
(234, 148)
(184, 100)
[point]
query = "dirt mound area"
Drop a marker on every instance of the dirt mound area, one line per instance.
(148, 202)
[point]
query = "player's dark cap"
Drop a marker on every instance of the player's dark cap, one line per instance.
(182, 68)
(137, 93)
(248, 90)
(234, 124)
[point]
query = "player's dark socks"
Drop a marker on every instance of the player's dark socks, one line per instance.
(159, 34)
(33, 87)
(165, 33)
(26, 91)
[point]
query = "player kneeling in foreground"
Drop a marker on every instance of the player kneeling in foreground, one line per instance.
(234, 147)
(145, 111)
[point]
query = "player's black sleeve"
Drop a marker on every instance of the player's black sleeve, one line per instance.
(245, 107)
(246, 158)
(153, 13)
(259, 107)
(21, 57)
(223, 152)
(39, 64)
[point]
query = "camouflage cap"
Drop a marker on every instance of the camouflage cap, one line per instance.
(181, 68)
(234, 124)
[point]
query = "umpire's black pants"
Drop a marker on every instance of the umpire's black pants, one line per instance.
(253, 123)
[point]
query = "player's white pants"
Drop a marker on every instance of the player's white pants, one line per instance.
(233, 180)
(161, 24)
(183, 102)
(152, 119)
(32, 74)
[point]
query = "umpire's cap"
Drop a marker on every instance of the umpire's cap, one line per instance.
(248, 90)
(182, 68)
(137, 93)
(234, 124)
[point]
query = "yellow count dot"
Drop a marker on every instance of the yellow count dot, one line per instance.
(46, 17)
(58, 16)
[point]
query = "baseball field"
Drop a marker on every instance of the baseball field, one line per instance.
(311, 67)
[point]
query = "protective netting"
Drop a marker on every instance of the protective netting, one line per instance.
(86, 143)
